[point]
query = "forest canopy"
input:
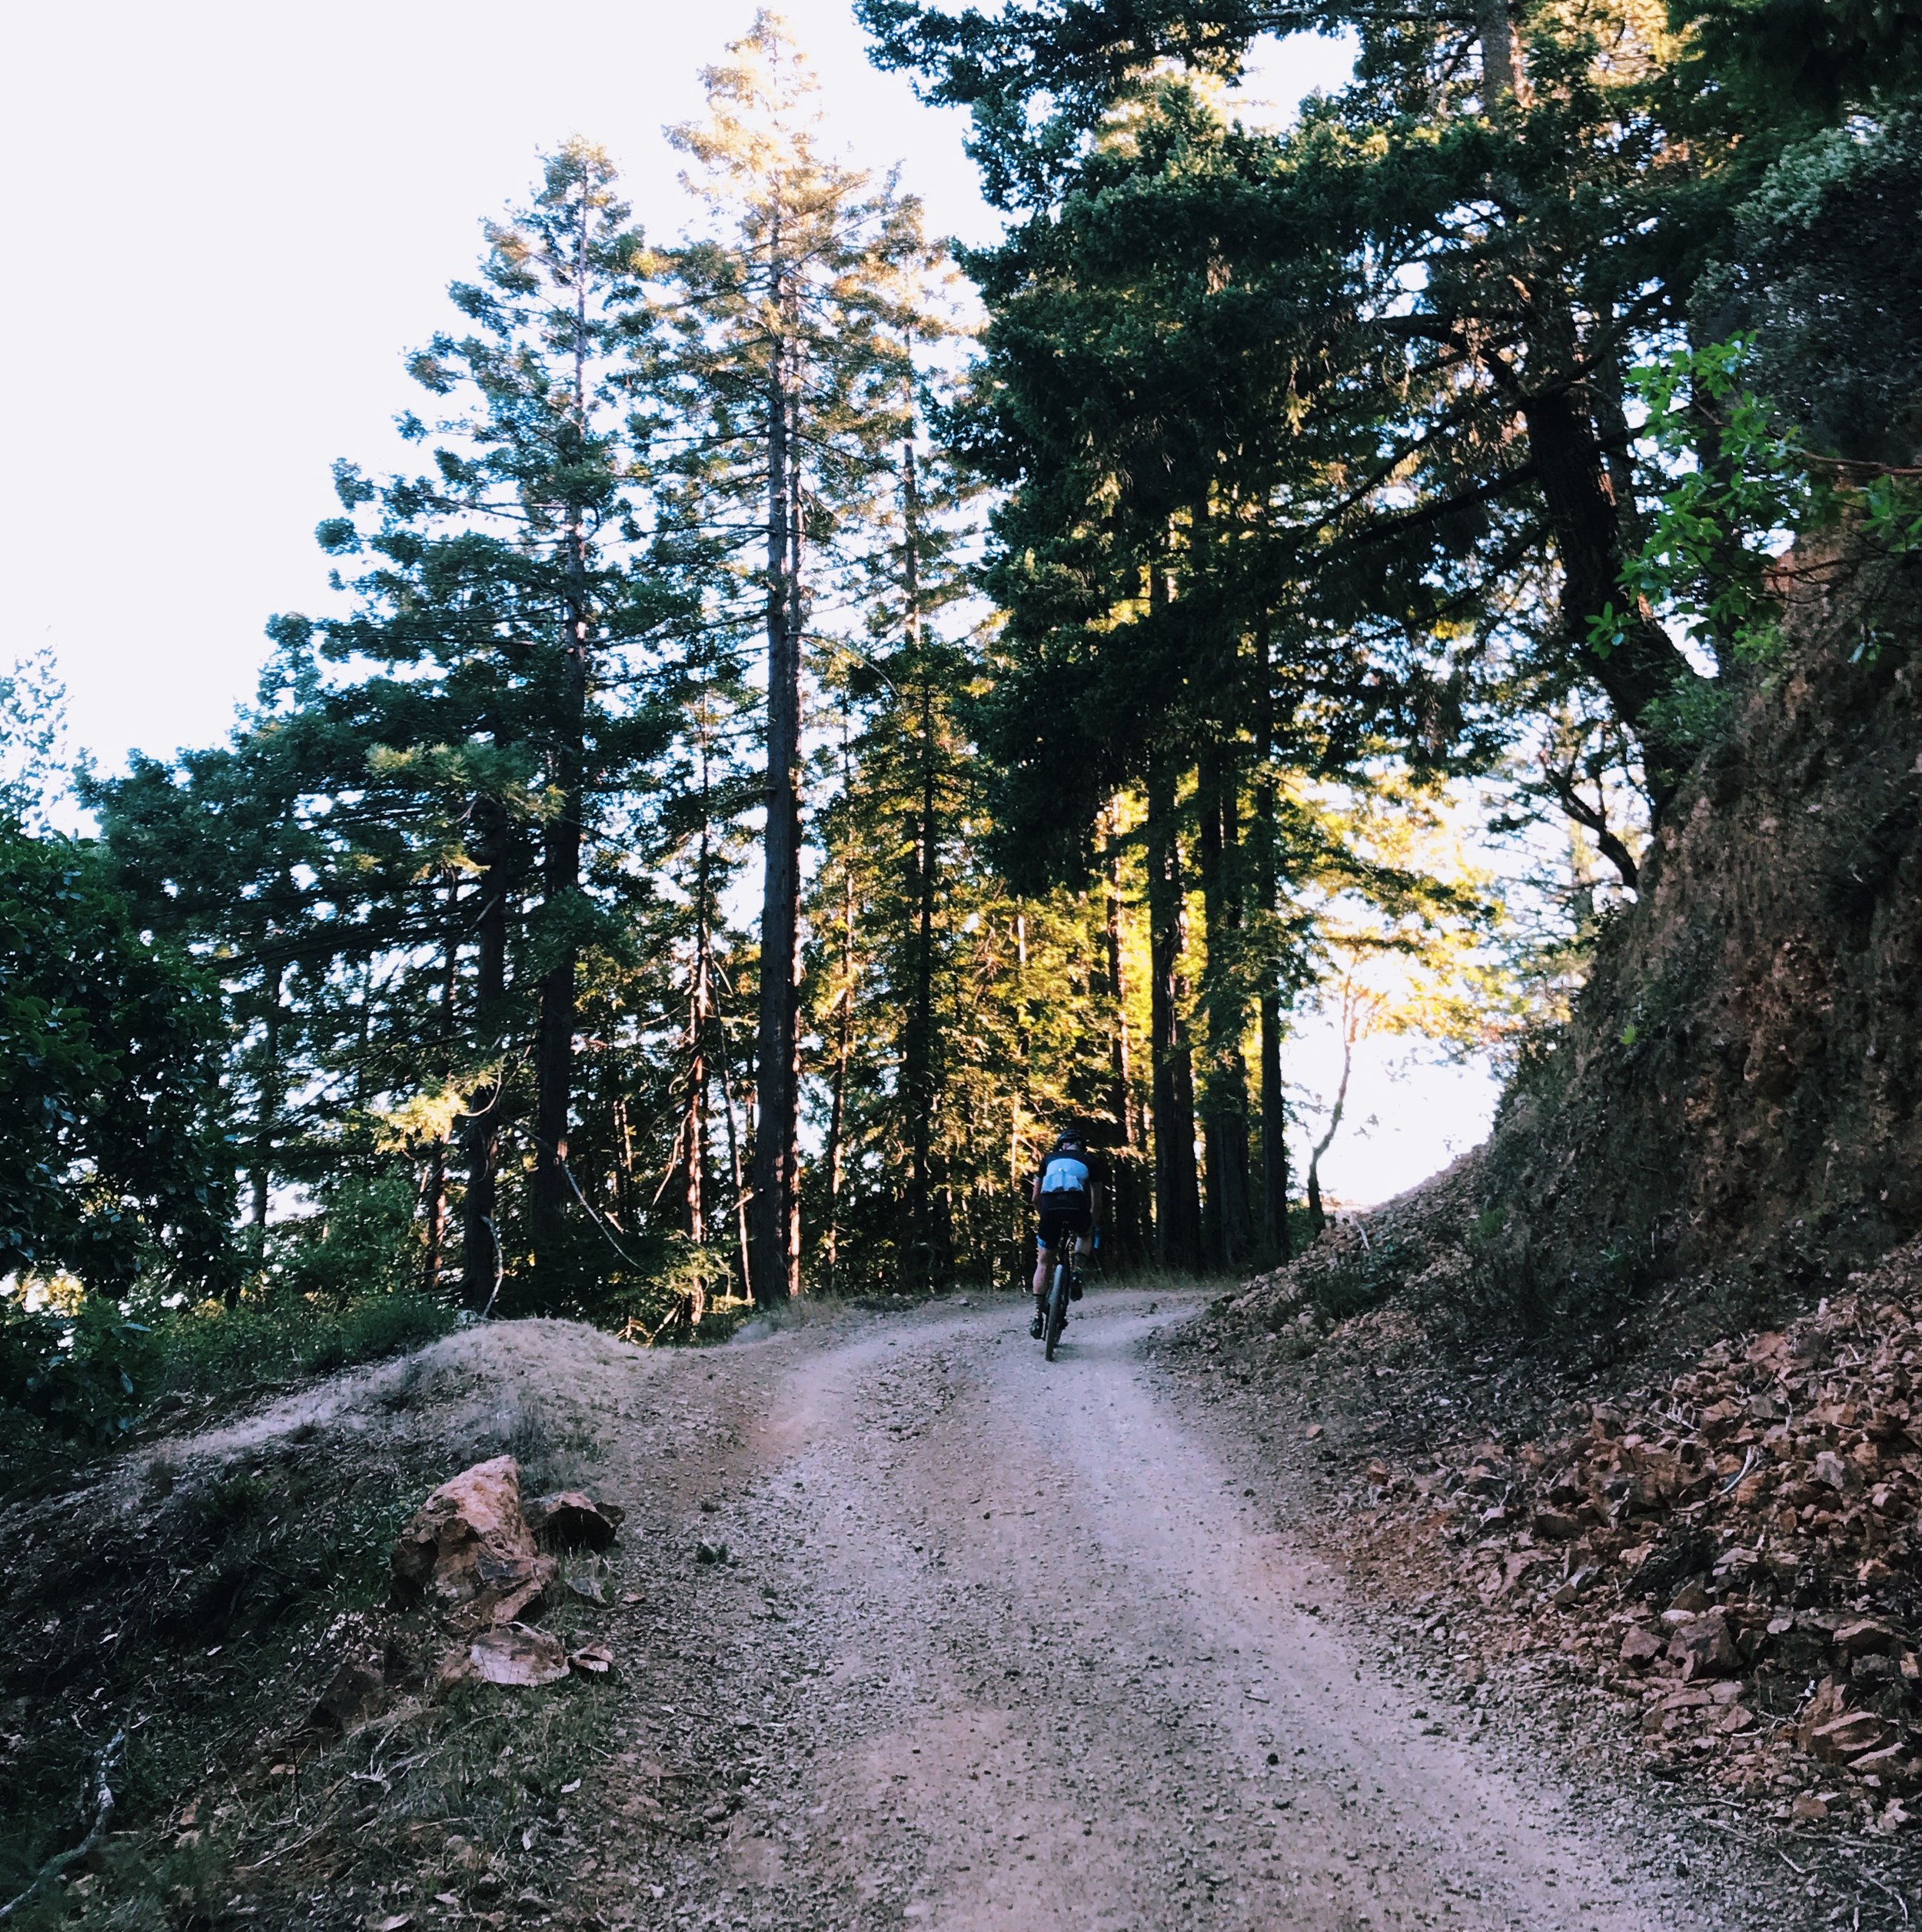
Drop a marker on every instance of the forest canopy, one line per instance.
(823, 711)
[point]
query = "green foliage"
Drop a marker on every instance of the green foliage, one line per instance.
(82, 1375)
(211, 1351)
(1364, 1277)
(33, 763)
(1744, 485)
(1720, 524)
(1819, 279)
(364, 1244)
(112, 1156)
(1335, 466)
(78, 1372)
(1789, 64)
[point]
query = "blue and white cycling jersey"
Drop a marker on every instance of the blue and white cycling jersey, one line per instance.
(1065, 1181)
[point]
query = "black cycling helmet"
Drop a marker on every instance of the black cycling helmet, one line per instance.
(1070, 1142)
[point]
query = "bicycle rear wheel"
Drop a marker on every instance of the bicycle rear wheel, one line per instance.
(1057, 1308)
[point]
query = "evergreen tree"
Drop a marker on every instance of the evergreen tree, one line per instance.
(514, 576)
(112, 1154)
(786, 374)
(1476, 243)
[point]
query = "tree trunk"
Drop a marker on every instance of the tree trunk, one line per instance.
(918, 1068)
(774, 1252)
(1644, 666)
(1585, 515)
(481, 1255)
(435, 1194)
(843, 1050)
(735, 1166)
(1121, 1099)
(1020, 1234)
(1500, 59)
(1316, 1219)
(700, 1021)
(266, 1118)
(1274, 1233)
(1177, 1195)
(554, 1041)
(1229, 1224)
(694, 1123)
(561, 848)
(435, 1258)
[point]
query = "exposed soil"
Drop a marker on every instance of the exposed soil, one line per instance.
(1727, 1125)
(911, 1627)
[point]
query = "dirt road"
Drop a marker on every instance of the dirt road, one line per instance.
(1008, 1644)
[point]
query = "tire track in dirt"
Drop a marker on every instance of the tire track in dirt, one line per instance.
(1013, 1650)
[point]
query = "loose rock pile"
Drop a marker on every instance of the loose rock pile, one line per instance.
(1738, 1552)
(473, 1555)
(471, 1550)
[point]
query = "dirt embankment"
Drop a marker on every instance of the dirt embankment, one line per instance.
(1725, 1553)
(1739, 1086)
(1734, 1101)
(221, 1600)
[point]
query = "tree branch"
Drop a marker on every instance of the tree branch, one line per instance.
(103, 1813)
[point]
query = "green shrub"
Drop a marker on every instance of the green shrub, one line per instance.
(362, 1245)
(211, 1351)
(74, 1381)
(82, 1375)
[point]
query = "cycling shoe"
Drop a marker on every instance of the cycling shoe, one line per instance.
(1034, 1329)
(1074, 1288)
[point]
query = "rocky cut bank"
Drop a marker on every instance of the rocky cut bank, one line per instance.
(1733, 1099)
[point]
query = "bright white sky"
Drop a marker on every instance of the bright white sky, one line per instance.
(228, 222)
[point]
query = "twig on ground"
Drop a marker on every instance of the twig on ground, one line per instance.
(1897, 1896)
(103, 1811)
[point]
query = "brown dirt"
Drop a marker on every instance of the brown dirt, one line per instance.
(1732, 1105)
(992, 1643)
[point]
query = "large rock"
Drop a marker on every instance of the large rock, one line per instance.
(512, 1654)
(1865, 1636)
(469, 1547)
(1891, 1763)
(1852, 1735)
(570, 1520)
(1705, 1647)
(1641, 1645)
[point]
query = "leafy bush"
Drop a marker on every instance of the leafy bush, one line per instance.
(1823, 274)
(113, 1158)
(364, 1244)
(81, 1375)
(657, 1286)
(211, 1351)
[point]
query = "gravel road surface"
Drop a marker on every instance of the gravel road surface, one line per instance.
(1007, 1644)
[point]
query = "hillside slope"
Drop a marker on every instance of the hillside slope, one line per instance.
(1732, 1105)
(1738, 1088)
(1627, 1396)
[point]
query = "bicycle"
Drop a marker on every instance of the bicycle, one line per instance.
(1061, 1291)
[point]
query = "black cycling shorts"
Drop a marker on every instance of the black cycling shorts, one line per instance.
(1058, 1222)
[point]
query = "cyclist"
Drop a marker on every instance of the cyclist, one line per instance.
(1067, 1195)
